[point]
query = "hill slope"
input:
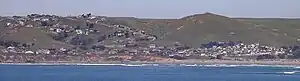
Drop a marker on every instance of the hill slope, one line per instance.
(192, 30)
(197, 29)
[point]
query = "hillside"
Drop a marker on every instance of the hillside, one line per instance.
(192, 30)
(89, 38)
(197, 29)
(287, 27)
(32, 35)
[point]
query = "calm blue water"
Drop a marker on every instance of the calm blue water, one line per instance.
(144, 73)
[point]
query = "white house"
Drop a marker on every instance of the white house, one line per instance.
(10, 47)
(79, 31)
(8, 24)
(58, 30)
(29, 52)
(45, 19)
(36, 19)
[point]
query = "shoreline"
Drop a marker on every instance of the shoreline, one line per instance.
(154, 65)
(218, 63)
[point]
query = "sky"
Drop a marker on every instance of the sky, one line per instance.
(154, 8)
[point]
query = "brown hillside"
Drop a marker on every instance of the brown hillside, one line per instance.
(192, 30)
(201, 28)
(33, 35)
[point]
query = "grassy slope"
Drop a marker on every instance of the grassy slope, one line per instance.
(193, 30)
(218, 28)
(287, 27)
(33, 35)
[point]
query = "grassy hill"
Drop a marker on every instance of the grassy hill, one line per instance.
(33, 35)
(288, 27)
(192, 30)
(197, 29)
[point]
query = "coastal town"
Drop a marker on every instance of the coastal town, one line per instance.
(93, 39)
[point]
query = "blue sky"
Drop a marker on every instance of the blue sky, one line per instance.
(154, 8)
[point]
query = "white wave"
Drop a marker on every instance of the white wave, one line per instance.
(255, 65)
(210, 65)
(135, 65)
(189, 65)
(155, 64)
(102, 64)
(289, 72)
(225, 65)
(219, 65)
(292, 72)
(192, 65)
(29, 64)
(285, 73)
(251, 65)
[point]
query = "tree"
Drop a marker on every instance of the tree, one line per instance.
(127, 35)
(296, 53)
(83, 47)
(101, 38)
(266, 56)
(219, 57)
(77, 27)
(177, 57)
(83, 16)
(30, 61)
(11, 43)
(60, 36)
(2, 43)
(44, 23)
(91, 25)
(100, 47)
(212, 57)
(89, 14)
(282, 56)
(25, 45)
(81, 40)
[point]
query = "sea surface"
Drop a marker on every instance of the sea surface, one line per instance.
(147, 73)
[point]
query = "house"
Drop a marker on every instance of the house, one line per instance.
(43, 51)
(93, 17)
(29, 26)
(8, 24)
(10, 48)
(152, 46)
(21, 23)
(29, 52)
(45, 19)
(79, 31)
(58, 30)
(102, 19)
(63, 49)
(36, 19)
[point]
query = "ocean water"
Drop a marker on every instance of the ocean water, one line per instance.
(147, 73)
